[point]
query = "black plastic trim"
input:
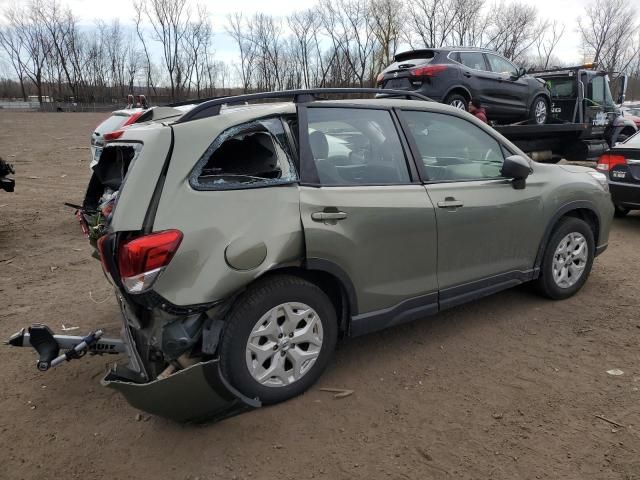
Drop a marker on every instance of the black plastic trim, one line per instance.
(405, 311)
(578, 204)
(452, 296)
(337, 271)
(601, 249)
(150, 216)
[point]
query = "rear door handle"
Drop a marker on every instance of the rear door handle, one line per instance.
(467, 74)
(328, 216)
(450, 203)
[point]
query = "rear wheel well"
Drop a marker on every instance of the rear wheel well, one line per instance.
(328, 283)
(459, 91)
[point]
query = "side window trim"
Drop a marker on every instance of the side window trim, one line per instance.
(417, 156)
(308, 172)
(252, 126)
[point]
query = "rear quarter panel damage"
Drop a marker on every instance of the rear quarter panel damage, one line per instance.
(213, 221)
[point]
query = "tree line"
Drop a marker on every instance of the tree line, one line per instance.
(167, 48)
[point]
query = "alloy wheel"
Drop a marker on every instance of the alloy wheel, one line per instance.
(541, 112)
(284, 344)
(458, 104)
(570, 259)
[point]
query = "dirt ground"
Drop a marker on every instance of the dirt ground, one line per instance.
(506, 387)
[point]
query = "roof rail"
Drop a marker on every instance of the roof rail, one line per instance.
(211, 107)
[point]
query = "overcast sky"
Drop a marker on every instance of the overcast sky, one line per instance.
(565, 11)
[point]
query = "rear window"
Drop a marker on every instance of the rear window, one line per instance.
(114, 122)
(562, 87)
(255, 154)
(415, 54)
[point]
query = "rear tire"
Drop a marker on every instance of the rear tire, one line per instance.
(620, 211)
(268, 350)
(567, 260)
(457, 101)
(539, 113)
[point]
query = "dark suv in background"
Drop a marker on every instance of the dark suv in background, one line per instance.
(454, 75)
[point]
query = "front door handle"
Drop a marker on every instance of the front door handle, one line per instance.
(450, 202)
(328, 216)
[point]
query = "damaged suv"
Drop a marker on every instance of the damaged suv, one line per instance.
(243, 243)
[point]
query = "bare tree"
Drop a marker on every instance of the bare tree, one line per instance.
(513, 29)
(169, 21)
(607, 30)
(546, 44)
(11, 43)
(348, 25)
(470, 24)
(238, 30)
(386, 18)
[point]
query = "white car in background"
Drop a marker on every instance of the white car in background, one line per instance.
(117, 120)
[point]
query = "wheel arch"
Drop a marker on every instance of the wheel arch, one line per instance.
(464, 91)
(581, 209)
(546, 96)
(331, 279)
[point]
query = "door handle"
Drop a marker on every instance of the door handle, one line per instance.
(467, 74)
(328, 216)
(450, 202)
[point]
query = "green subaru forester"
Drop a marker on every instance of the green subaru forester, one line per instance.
(247, 238)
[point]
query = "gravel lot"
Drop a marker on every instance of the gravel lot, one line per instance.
(506, 387)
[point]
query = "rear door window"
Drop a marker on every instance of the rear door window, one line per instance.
(453, 149)
(473, 60)
(356, 146)
(255, 154)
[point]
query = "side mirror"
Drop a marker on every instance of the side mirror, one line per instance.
(518, 169)
(522, 72)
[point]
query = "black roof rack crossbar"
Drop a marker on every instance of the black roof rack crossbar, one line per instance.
(211, 107)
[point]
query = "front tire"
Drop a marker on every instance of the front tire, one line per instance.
(279, 337)
(567, 260)
(539, 112)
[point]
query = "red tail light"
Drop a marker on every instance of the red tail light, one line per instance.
(428, 71)
(141, 259)
(608, 161)
(112, 135)
(133, 118)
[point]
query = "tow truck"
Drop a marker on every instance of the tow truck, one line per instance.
(584, 120)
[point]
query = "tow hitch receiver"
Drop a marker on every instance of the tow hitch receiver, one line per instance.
(48, 345)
